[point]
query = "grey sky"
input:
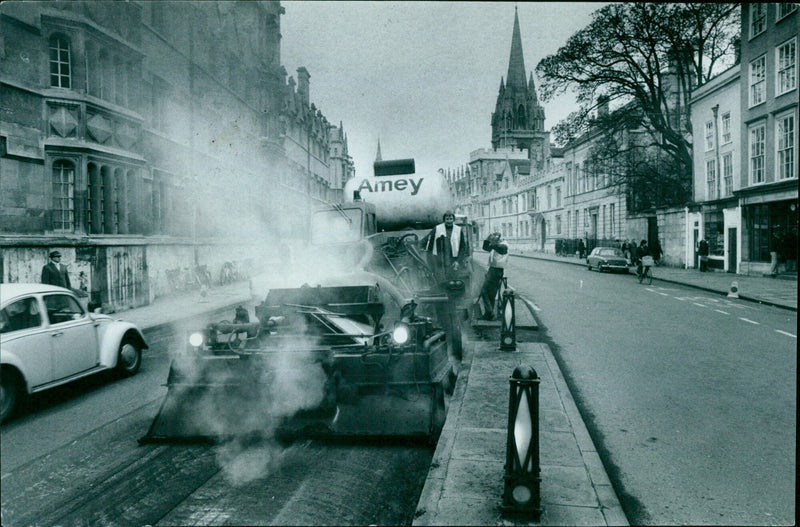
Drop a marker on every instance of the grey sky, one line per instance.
(421, 76)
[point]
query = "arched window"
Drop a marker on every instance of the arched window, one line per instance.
(521, 117)
(63, 181)
(59, 62)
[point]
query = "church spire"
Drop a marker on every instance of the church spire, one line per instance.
(532, 89)
(378, 155)
(516, 63)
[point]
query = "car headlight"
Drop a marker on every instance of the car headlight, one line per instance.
(401, 334)
(196, 339)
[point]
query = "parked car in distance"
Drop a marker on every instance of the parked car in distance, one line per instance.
(607, 258)
(47, 339)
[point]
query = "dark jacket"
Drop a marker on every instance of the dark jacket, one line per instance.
(52, 275)
(702, 248)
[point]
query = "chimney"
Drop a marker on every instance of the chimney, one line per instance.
(303, 84)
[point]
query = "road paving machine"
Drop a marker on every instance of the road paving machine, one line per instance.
(370, 349)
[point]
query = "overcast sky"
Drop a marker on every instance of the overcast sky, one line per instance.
(421, 76)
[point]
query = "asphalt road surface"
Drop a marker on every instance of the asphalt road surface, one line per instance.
(73, 459)
(690, 397)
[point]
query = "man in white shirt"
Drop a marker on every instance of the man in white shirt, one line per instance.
(498, 256)
(447, 245)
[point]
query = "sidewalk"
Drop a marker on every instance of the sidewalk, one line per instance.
(777, 292)
(465, 482)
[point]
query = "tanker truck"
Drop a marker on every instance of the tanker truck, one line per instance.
(369, 348)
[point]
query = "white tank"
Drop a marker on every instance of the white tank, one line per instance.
(403, 200)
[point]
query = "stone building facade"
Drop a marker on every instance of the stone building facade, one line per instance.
(716, 116)
(143, 139)
(768, 140)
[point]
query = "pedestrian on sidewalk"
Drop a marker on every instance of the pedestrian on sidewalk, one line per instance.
(633, 251)
(702, 252)
(498, 256)
(581, 249)
(656, 252)
(642, 251)
(55, 273)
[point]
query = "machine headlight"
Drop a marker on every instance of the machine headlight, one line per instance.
(401, 334)
(196, 339)
(455, 285)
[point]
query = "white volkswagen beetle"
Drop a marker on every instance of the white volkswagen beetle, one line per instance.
(48, 339)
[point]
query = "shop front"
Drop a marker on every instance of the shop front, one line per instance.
(771, 237)
(718, 219)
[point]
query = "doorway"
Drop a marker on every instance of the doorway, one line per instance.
(732, 253)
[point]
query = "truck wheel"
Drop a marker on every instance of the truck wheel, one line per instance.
(129, 358)
(10, 393)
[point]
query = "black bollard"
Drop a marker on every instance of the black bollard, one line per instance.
(508, 332)
(521, 495)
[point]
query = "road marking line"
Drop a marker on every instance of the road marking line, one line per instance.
(695, 303)
(679, 298)
(662, 294)
(751, 321)
(723, 312)
(785, 333)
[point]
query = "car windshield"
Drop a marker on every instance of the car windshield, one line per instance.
(609, 251)
(336, 226)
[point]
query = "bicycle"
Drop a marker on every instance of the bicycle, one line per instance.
(646, 273)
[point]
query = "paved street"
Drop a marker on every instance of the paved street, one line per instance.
(690, 397)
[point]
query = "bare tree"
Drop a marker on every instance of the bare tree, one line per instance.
(648, 54)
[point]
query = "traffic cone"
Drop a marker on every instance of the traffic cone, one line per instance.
(734, 292)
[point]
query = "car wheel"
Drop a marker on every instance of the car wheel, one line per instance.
(588, 267)
(10, 393)
(129, 358)
(599, 268)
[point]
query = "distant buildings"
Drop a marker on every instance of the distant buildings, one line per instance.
(144, 138)
(744, 186)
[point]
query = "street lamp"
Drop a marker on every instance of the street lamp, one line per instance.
(521, 495)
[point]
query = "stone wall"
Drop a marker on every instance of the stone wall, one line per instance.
(672, 235)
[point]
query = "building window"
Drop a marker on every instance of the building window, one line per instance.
(757, 144)
(709, 136)
(711, 179)
(726, 127)
(758, 80)
(63, 186)
(785, 9)
(727, 173)
(59, 62)
(558, 197)
(785, 143)
(558, 224)
(758, 19)
(786, 60)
